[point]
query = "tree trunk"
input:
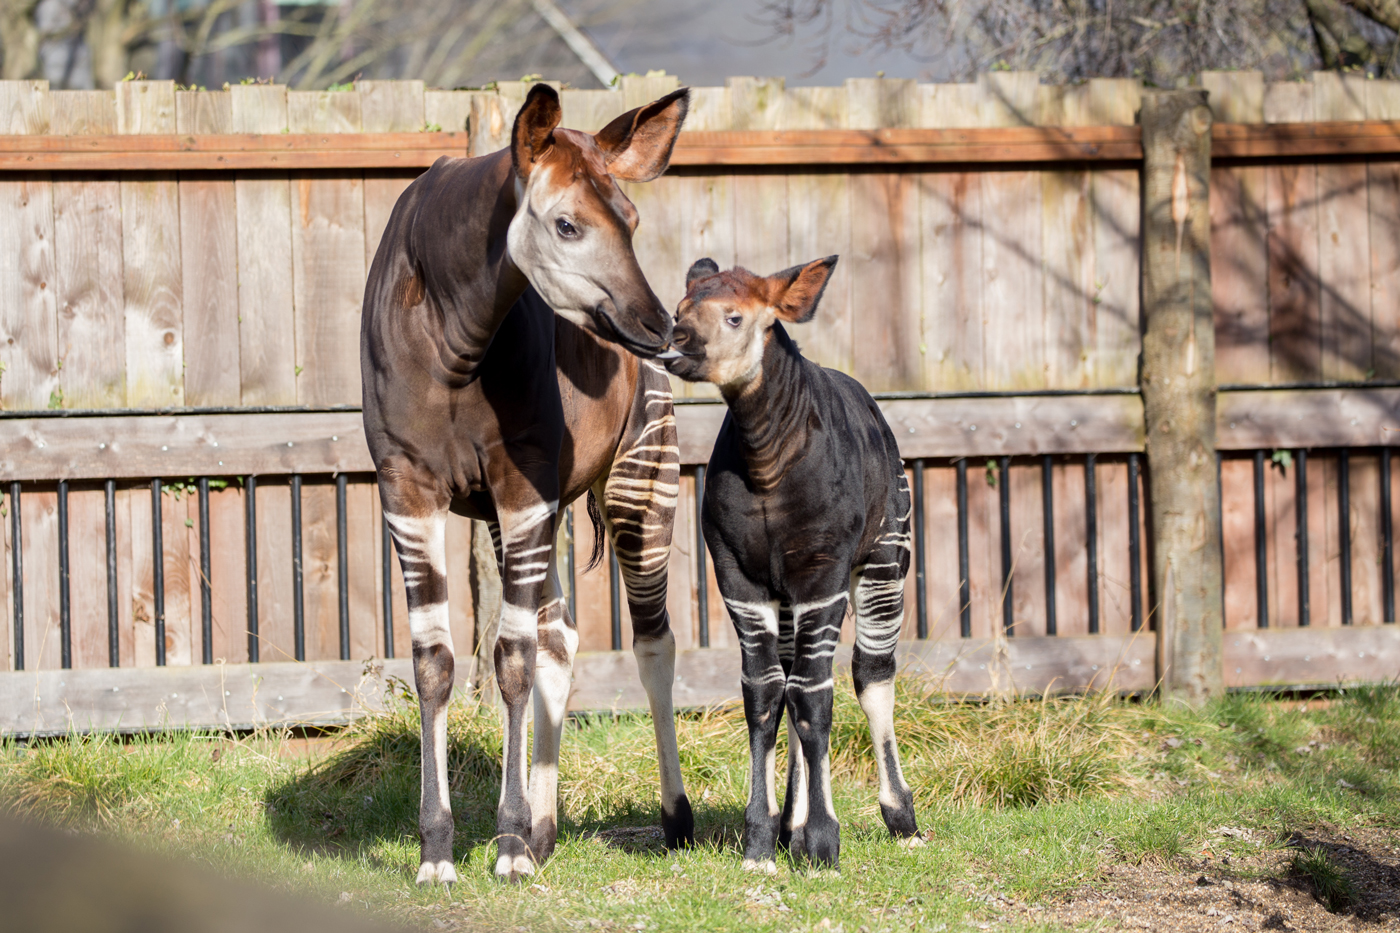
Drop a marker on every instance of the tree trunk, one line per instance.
(1178, 391)
(19, 39)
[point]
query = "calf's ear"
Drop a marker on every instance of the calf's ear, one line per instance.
(794, 293)
(703, 269)
(533, 132)
(637, 145)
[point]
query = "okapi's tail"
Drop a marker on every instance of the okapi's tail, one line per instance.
(595, 515)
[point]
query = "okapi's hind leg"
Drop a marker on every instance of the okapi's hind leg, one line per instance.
(639, 506)
(418, 527)
(878, 596)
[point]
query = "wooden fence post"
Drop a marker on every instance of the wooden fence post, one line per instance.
(1178, 392)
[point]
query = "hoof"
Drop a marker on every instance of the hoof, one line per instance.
(437, 872)
(678, 826)
(765, 867)
(514, 869)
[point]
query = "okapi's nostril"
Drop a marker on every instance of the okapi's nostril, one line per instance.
(679, 338)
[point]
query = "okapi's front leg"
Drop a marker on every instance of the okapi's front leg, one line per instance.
(527, 530)
(418, 525)
(639, 498)
(554, 666)
(762, 682)
(810, 691)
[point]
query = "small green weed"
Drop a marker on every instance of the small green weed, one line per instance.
(1329, 881)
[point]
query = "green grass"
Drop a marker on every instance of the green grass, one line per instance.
(1334, 889)
(1023, 800)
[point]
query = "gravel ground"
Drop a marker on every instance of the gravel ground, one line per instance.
(1258, 893)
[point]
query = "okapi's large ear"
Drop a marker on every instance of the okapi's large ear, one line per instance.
(533, 133)
(703, 269)
(794, 292)
(637, 145)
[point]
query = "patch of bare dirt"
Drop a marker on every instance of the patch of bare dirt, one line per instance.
(1262, 892)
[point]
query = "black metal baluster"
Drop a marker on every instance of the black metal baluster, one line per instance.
(250, 556)
(65, 603)
(1091, 539)
(342, 554)
(206, 593)
(1387, 542)
(386, 571)
(1300, 535)
(920, 579)
(17, 572)
(298, 601)
(1004, 495)
(1047, 507)
(1134, 546)
(702, 587)
(615, 593)
(1344, 527)
(113, 617)
(1261, 547)
(158, 570)
(964, 578)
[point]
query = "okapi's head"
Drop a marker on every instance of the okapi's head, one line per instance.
(726, 318)
(572, 232)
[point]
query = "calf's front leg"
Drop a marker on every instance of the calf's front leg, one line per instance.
(762, 680)
(810, 689)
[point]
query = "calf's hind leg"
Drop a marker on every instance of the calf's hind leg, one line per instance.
(879, 605)
(554, 662)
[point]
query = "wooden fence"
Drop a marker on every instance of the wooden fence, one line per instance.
(180, 285)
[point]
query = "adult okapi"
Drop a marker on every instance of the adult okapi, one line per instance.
(480, 401)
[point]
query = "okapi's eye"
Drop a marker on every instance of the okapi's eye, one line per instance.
(565, 228)
(733, 320)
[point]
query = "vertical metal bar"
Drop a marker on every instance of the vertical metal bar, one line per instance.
(113, 618)
(17, 573)
(569, 556)
(920, 577)
(158, 570)
(1091, 539)
(65, 603)
(1047, 508)
(702, 586)
(250, 557)
(386, 571)
(964, 581)
(1387, 543)
(1300, 534)
(1134, 546)
(206, 593)
(1004, 494)
(1344, 527)
(342, 554)
(615, 592)
(1261, 546)
(298, 600)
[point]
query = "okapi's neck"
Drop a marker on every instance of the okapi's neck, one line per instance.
(470, 276)
(774, 412)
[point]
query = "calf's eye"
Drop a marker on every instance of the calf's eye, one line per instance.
(733, 320)
(565, 228)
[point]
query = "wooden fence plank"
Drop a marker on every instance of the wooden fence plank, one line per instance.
(1239, 274)
(39, 518)
(128, 603)
(263, 203)
(1115, 567)
(88, 283)
(203, 112)
(1294, 313)
(461, 617)
(323, 112)
(1237, 522)
(391, 106)
(328, 269)
(140, 553)
(1069, 264)
(1311, 657)
(1281, 540)
(153, 291)
(1027, 550)
(180, 568)
(1365, 522)
(1117, 308)
(28, 332)
(1344, 248)
(941, 550)
(366, 629)
(953, 320)
(1324, 564)
(320, 571)
(681, 593)
(275, 634)
(87, 566)
(209, 265)
(228, 574)
(1071, 556)
(82, 113)
(449, 110)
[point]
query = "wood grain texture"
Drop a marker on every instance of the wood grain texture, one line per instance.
(28, 312)
(82, 113)
(146, 107)
(153, 291)
(206, 111)
(88, 279)
(953, 320)
(366, 630)
(324, 112)
(391, 106)
(209, 275)
(1237, 524)
(1344, 248)
(228, 574)
(1117, 275)
(1383, 181)
(1295, 328)
(885, 275)
(39, 520)
(1240, 274)
(328, 273)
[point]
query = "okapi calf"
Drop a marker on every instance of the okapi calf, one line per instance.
(496, 387)
(806, 508)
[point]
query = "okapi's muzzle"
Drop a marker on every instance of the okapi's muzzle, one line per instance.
(645, 332)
